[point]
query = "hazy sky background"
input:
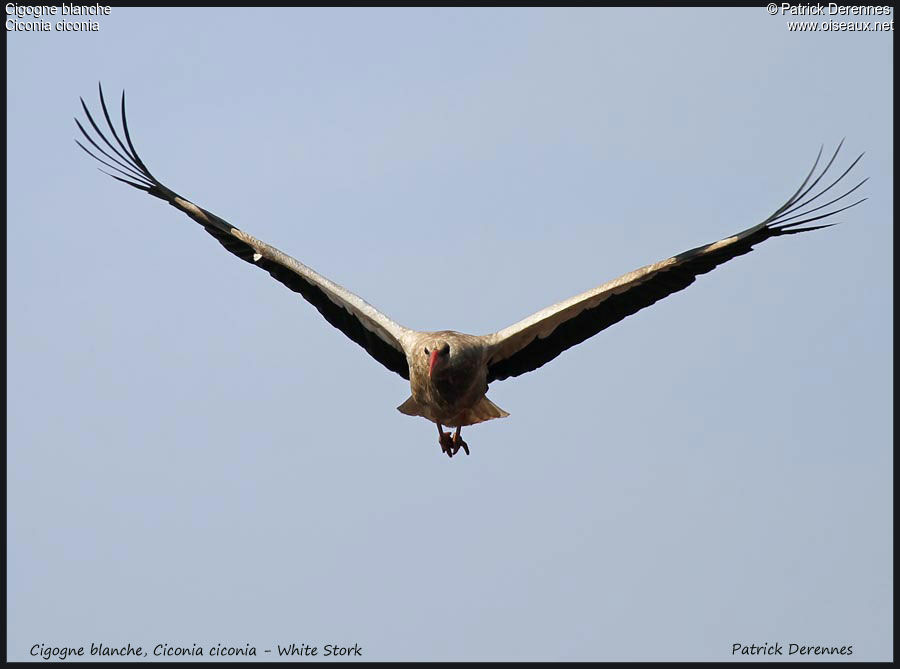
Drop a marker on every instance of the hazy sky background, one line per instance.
(196, 457)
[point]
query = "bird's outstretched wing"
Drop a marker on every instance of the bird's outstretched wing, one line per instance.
(376, 333)
(531, 342)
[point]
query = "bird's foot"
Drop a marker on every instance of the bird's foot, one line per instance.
(459, 443)
(447, 445)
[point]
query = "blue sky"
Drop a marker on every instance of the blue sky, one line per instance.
(196, 457)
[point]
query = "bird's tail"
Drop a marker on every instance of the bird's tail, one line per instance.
(479, 412)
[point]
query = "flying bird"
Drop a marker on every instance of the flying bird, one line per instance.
(448, 371)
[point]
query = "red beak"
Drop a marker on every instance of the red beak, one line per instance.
(432, 361)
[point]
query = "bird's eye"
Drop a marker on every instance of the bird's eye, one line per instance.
(445, 350)
(426, 350)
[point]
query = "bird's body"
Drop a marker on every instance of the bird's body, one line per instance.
(448, 371)
(452, 392)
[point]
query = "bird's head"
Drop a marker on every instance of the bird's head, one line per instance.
(438, 355)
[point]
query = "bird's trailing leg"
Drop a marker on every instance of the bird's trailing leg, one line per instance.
(451, 444)
(446, 441)
(458, 442)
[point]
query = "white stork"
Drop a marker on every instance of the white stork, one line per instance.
(449, 371)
